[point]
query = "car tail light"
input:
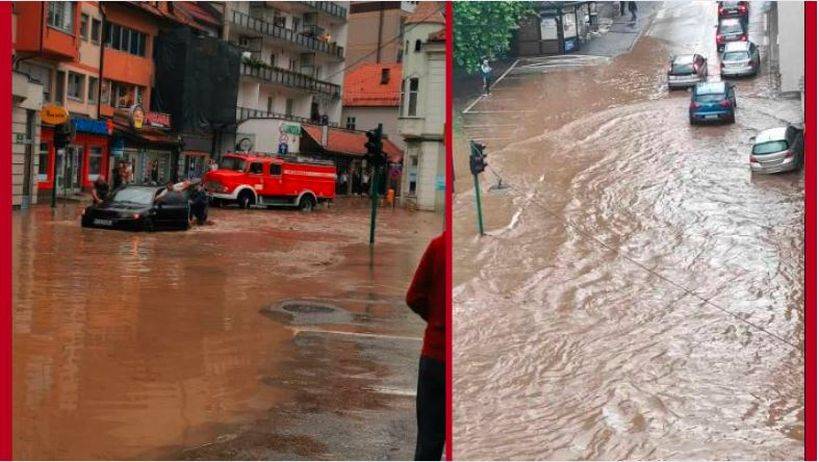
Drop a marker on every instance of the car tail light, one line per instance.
(752, 158)
(720, 38)
(694, 105)
(725, 103)
(744, 38)
(742, 8)
(136, 216)
(721, 10)
(722, 65)
(788, 154)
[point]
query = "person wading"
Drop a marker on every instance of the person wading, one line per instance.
(426, 297)
(100, 190)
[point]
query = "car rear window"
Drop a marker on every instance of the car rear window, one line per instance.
(735, 56)
(143, 196)
(682, 68)
(730, 5)
(770, 147)
(709, 98)
(730, 27)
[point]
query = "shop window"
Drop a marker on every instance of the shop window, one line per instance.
(84, 26)
(93, 89)
(256, 168)
(42, 163)
(76, 86)
(412, 100)
(61, 16)
(96, 27)
(94, 162)
(350, 123)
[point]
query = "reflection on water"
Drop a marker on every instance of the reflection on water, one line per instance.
(580, 327)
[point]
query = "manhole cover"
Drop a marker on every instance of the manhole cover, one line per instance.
(303, 308)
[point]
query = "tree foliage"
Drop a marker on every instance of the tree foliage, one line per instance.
(485, 29)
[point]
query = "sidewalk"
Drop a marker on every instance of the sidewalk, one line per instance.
(622, 34)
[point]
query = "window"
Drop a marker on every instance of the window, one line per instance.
(123, 95)
(296, 24)
(350, 123)
(42, 165)
(269, 104)
(418, 45)
(275, 169)
(96, 25)
(93, 89)
(412, 108)
(76, 86)
(94, 162)
(61, 16)
(105, 97)
(288, 110)
(84, 26)
(59, 96)
(125, 39)
(256, 168)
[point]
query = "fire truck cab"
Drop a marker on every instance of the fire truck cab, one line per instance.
(257, 179)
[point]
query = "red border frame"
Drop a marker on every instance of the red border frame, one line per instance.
(448, 239)
(810, 231)
(5, 235)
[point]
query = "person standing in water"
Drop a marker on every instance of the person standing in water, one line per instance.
(486, 74)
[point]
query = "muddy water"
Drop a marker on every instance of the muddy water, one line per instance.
(639, 293)
(133, 345)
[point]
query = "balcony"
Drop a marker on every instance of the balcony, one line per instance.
(330, 8)
(245, 113)
(289, 36)
(291, 79)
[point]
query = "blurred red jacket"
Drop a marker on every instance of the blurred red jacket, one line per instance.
(427, 297)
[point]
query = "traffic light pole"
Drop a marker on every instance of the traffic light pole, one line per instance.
(478, 204)
(374, 197)
(375, 151)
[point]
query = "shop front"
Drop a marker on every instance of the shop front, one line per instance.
(143, 153)
(74, 168)
(556, 28)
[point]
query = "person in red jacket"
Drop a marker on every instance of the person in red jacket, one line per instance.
(427, 297)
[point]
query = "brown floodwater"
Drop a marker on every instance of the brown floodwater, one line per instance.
(138, 345)
(639, 294)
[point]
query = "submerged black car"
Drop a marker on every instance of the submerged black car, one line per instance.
(140, 208)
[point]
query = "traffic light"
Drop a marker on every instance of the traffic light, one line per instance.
(477, 158)
(375, 147)
(63, 135)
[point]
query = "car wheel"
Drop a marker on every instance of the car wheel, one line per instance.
(307, 203)
(245, 199)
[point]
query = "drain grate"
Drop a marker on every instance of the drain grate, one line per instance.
(304, 308)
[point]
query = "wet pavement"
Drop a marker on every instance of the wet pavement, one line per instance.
(270, 334)
(639, 294)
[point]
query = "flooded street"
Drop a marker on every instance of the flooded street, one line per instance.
(270, 334)
(639, 294)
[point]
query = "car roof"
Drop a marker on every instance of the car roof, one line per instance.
(683, 59)
(771, 134)
(710, 88)
(737, 46)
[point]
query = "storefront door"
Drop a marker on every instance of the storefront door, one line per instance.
(72, 171)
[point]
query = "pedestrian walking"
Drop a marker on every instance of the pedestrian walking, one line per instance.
(100, 190)
(486, 75)
(427, 297)
(365, 182)
(342, 182)
(623, 8)
(632, 8)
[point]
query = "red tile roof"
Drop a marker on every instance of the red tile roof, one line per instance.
(199, 13)
(427, 12)
(363, 87)
(350, 142)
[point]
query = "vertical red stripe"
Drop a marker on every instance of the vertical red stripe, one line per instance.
(448, 239)
(810, 230)
(5, 236)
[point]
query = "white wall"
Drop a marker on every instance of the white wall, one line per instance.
(266, 134)
(369, 117)
(791, 43)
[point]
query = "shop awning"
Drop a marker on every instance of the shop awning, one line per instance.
(350, 142)
(147, 135)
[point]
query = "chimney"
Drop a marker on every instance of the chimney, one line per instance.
(325, 133)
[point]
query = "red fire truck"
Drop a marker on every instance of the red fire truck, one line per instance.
(250, 179)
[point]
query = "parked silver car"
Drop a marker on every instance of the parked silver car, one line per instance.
(778, 150)
(739, 59)
(686, 71)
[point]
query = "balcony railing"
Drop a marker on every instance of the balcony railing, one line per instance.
(329, 8)
(288, 35)
(292, 79)
(245, 113)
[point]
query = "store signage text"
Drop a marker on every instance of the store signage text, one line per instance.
(51, 114)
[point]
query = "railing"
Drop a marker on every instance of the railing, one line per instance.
(245, 113)
(289, 35)
(292, 79)
(329, 8)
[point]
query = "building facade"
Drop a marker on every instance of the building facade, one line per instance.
(786, 35)
(27, 100)
(372, 94)
(422, 115)
(292, 66)
(555, 28)
(377, 31)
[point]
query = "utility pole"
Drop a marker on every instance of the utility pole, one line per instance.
(376, 159)
(477, 164)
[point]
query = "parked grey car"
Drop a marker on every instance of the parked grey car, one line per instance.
(730, 30)
(686, 71)
(739, 59)
(778, 150)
